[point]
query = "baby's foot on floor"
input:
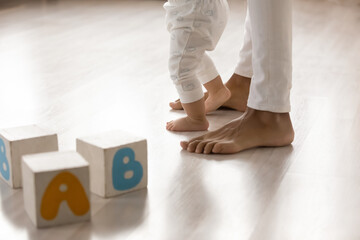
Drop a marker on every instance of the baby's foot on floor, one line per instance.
(187, 124)
(217, 99)
(176, 105)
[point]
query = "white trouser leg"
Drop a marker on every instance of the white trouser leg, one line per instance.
(268, 40)
(271, 34)
(195, 27)
(244, 66)
(206, 70)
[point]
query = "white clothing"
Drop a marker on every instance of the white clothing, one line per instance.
(195, 26)
(266, 54)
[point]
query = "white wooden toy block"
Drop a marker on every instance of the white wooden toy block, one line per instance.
(16, 142)
(118, 162)
(56, 188)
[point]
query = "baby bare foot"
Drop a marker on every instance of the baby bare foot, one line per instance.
(218, 94)
(176, 105)
(187, 124)
(239, 88)
(216, 99)
(195, 120)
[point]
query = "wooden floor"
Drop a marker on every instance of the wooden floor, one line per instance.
(82, 67)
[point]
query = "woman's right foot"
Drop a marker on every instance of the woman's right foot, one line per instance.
(239, 87)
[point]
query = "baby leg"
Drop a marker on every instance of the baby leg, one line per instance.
(193, 31)
(187, 49)
(218, 93)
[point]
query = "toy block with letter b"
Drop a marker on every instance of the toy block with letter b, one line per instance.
(118, 162)
(56, 188)
(16, 142)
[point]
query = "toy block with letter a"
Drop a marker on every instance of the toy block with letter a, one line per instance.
(56, 188)
(16, 142)
(118, 162)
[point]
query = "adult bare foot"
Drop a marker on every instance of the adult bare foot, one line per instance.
(253, 129)
(239, 88)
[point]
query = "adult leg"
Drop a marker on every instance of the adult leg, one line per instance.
(266, 122)
(239, 83)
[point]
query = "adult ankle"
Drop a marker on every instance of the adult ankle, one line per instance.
(238, 81)
(267, 117)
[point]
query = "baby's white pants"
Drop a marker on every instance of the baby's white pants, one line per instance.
(195, 26)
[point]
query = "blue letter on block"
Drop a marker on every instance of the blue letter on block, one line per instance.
(120, 168)
(4, 164)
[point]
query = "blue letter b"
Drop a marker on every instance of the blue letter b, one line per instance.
(120, 167)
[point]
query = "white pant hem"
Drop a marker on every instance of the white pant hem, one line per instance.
(270, 108)
(191, 96)
(207, 76)
(243, 73)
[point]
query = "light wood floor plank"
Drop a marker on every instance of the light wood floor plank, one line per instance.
(82, 67)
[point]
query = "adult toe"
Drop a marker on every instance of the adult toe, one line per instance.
(192, 145)
(208, 147)
(200, 146)
(225, 147)
(184, 144)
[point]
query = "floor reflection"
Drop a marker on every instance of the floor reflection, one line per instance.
(12, 205)
(189, 205)
(121, 214)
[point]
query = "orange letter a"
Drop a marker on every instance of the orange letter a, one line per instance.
(73, 193)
